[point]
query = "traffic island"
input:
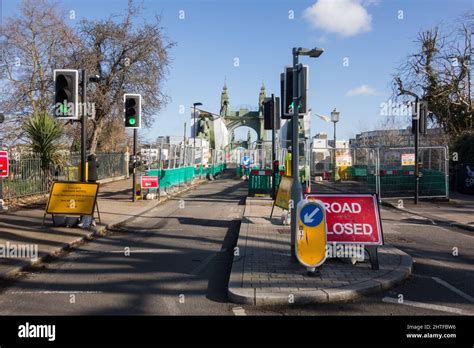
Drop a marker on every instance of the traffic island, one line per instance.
(263, 273)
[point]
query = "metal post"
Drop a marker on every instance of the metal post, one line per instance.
(334, 156)
(273, 149)
(84, 127)
(417, 139)
(194, 136)
(184, 146)
(134, 181)
(296, 190)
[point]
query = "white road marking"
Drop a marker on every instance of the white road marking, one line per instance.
(453, 289)
(428, 306)
(239, 311)
(56, 292)
(145, 251)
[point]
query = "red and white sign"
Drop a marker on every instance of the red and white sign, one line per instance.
(351, 219)
(149, 182)
(3, 164)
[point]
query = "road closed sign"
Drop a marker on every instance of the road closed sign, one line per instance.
(311, 233)
(351, 219)
(149, 182)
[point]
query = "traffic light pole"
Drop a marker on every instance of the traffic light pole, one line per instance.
(273, 148)
(84, 126)
(134, 166)
(296, 190)
(417, 141)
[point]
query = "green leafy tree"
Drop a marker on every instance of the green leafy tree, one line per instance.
(44, 134)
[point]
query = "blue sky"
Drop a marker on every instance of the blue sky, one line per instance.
(261, 34)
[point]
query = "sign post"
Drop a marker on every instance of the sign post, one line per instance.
(310, 246)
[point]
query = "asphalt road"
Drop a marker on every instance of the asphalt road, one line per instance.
(176, 260)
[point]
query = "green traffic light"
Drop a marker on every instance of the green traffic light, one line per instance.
(132, 121)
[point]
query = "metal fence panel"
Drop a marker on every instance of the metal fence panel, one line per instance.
(28, 178)
(344, 170)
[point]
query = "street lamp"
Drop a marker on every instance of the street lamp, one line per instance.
(334, 119)
(195, 131)
(296, 190)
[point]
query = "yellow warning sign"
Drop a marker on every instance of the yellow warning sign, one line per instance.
(311, 233)
(283, 196)
(73, 198)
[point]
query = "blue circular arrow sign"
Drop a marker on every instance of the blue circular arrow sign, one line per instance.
(311, 215)
(245, 160)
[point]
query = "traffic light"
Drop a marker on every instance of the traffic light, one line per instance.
(133, 110)
(66, 94)
(271, 114)
(267, 113)
(287, 94)
(420, 116)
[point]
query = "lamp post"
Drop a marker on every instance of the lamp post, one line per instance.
(334, 119)
(296, 190)
(195, 131)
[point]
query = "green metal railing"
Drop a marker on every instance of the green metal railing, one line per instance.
(27, 177)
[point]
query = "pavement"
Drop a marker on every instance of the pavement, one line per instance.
(263, 274)
(23, 227)
(457, 212)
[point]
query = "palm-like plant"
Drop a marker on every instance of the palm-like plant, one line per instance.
(44, 133)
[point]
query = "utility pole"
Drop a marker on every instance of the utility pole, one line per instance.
(273, 148)
(134, 166)
(184, 146)
(417, 140)
(84, 127)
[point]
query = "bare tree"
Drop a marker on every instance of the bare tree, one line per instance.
(129, 58)
(441, 74)
(35, 42)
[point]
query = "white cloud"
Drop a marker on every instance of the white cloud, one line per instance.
(343, 17)
(362, 90)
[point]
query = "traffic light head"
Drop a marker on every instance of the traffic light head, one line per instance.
(66, 94)
(132, 110)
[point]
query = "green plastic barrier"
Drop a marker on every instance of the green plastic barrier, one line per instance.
(171, 177)
(259, 184)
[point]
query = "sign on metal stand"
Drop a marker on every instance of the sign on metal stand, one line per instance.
(353, 219)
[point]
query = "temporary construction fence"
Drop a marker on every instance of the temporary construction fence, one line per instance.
(387, 171)
(28, 177)
(172, 177)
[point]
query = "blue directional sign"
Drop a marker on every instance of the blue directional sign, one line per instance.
(246, 161)
(311, 215)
